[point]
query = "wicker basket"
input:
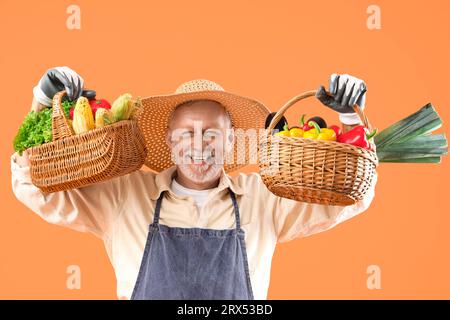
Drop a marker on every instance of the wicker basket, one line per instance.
(315, 171)
(72, 161)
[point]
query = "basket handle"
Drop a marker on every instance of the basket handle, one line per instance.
(307, 94)
(60, 126)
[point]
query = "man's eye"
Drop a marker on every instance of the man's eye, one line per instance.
(211, 134)
(181, 135)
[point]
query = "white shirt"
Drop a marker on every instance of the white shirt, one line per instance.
(199, 196)
(120, 210)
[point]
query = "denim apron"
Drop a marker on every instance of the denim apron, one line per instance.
(193, 263)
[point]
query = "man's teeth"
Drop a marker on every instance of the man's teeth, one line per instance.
(200, 158)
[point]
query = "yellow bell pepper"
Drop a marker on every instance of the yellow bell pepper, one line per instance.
(285, 132)
(296, 132)
(319, 133)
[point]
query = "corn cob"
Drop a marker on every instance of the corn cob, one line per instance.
(103, 117)
(83, 119)
(122, 107)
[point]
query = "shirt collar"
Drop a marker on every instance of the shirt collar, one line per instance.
(164, 179)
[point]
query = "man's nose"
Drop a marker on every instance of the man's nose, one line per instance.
(203, 144)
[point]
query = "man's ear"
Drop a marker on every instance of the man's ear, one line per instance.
(230, 139)
(169, 138)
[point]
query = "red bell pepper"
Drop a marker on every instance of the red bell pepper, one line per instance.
(358, 136)
(95, 104)
(98, 103)
(305, 126)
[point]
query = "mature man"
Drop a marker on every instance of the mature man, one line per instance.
(188, 230)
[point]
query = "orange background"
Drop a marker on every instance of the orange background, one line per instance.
(268, 50)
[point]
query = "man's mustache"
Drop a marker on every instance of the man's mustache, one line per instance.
(189, 155)
(196, 156)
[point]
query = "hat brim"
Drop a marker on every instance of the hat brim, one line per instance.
(153, 119)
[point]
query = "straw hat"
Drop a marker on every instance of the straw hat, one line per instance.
(154, 116)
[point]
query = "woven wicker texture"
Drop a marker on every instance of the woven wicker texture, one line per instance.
(153, 120)
(315, 171)
(73, 161)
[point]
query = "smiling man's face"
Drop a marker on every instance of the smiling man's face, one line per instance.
(199, 135)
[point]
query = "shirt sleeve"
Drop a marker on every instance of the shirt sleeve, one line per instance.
(293, 219)
(88, 209)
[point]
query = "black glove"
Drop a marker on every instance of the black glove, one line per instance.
(55, 80)
(345, 91)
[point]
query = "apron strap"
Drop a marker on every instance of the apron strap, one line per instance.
(158, 208)
(236, 209)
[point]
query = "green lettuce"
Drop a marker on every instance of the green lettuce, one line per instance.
(35, 130)
(67, 105)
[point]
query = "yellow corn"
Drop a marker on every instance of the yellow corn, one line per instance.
(83, 119)
(122, 107)
(103, 117)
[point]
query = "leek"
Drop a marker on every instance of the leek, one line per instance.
(410, 140)
(415, 160)
(422, 122)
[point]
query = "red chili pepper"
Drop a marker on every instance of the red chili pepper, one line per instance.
(305, 126)
(358, 136)
(99, 103)
(336, 129)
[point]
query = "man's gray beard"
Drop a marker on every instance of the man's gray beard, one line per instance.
(206, 174)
